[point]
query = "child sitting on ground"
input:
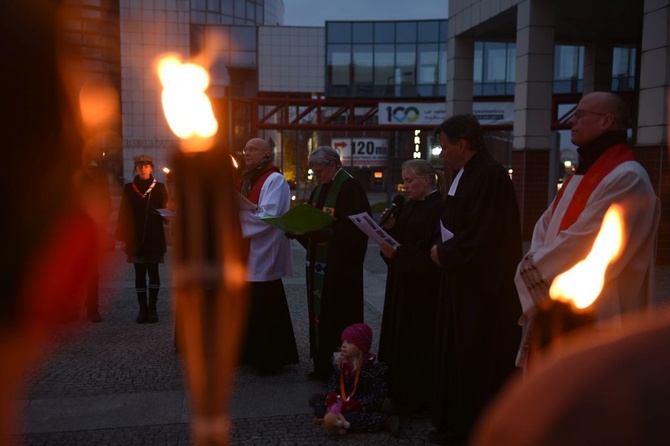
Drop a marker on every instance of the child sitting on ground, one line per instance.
(357, 387)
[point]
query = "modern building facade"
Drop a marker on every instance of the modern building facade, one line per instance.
(537, 26)
(375, 90)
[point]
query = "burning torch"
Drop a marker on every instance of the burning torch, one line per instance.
(209, 269)
(573, 292)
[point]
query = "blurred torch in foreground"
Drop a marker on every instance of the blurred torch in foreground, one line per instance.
(574, 291)
(209, 268)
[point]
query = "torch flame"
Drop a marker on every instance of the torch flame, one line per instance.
(582, 283)
(187, 108)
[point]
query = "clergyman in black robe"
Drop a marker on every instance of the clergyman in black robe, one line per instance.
(478, 307)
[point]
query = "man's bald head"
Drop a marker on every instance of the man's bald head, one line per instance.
(614, 105)
(597, 113)
(259, 144)
(256, 151)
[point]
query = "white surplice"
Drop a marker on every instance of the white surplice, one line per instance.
(629, 281)
(270, 255)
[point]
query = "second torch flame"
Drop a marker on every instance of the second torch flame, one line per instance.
(581, 284)
(187, 108)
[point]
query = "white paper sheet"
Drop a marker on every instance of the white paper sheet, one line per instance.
(445, 233)
(370, 227)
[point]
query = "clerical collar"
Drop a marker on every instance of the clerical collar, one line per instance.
(335, 174)
(454, 184)
(589, 153)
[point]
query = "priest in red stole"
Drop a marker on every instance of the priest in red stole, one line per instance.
(607, 174)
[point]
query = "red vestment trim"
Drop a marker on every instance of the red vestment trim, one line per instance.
(610, 159)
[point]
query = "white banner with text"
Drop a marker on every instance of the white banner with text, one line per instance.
(433, 113)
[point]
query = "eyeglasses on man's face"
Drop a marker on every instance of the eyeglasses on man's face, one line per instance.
(581, 113)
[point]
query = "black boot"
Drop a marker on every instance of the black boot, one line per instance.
(142, 300)
(152, 314)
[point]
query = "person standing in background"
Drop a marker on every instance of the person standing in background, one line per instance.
(140, 229)
(270, 342)
(97, 201)
(478, 307)
(408, 322)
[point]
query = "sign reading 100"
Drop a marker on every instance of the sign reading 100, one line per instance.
(402, 114)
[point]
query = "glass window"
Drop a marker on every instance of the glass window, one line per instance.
(384, 64)
(511, 63)
(243, 38)
(405, 32)
(384, 32)
(362, 58)
(219, 70)
(443, 30)
(623, 62)
(213, 6)
(405, 64)
(495, 62)
(239, 9)
(566, 62)
(227, 8)
(242, 58)
(428, 60)
(429, 31)
(251, 12)
(260, 14)
(426, 90)
(623, 69)
(362, 32)
(338, 32)
(199, 5)
(339, 62)
(478, 64)
(442, 79)
(218, 38)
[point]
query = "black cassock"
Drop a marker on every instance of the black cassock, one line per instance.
(478, 308)
(342, 294)
(407, 336)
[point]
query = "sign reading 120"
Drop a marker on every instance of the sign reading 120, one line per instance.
(371, 152)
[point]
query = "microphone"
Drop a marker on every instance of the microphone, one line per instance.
(397, 203)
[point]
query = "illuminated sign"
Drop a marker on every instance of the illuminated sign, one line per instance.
(362, 152)
(433, 113)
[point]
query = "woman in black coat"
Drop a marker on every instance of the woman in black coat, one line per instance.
(140, 228)
(408, 322)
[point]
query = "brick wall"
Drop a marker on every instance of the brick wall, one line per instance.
(531, 176)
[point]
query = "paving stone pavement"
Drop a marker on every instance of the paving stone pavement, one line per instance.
(121, 383)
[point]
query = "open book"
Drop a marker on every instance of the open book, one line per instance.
(301, 219)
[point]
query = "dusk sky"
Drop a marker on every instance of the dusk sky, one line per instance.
(316, 12)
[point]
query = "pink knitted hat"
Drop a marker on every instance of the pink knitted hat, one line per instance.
(360, 335)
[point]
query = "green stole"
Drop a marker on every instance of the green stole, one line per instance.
(317, 257)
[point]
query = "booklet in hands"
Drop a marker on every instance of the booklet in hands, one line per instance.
(301, 219)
